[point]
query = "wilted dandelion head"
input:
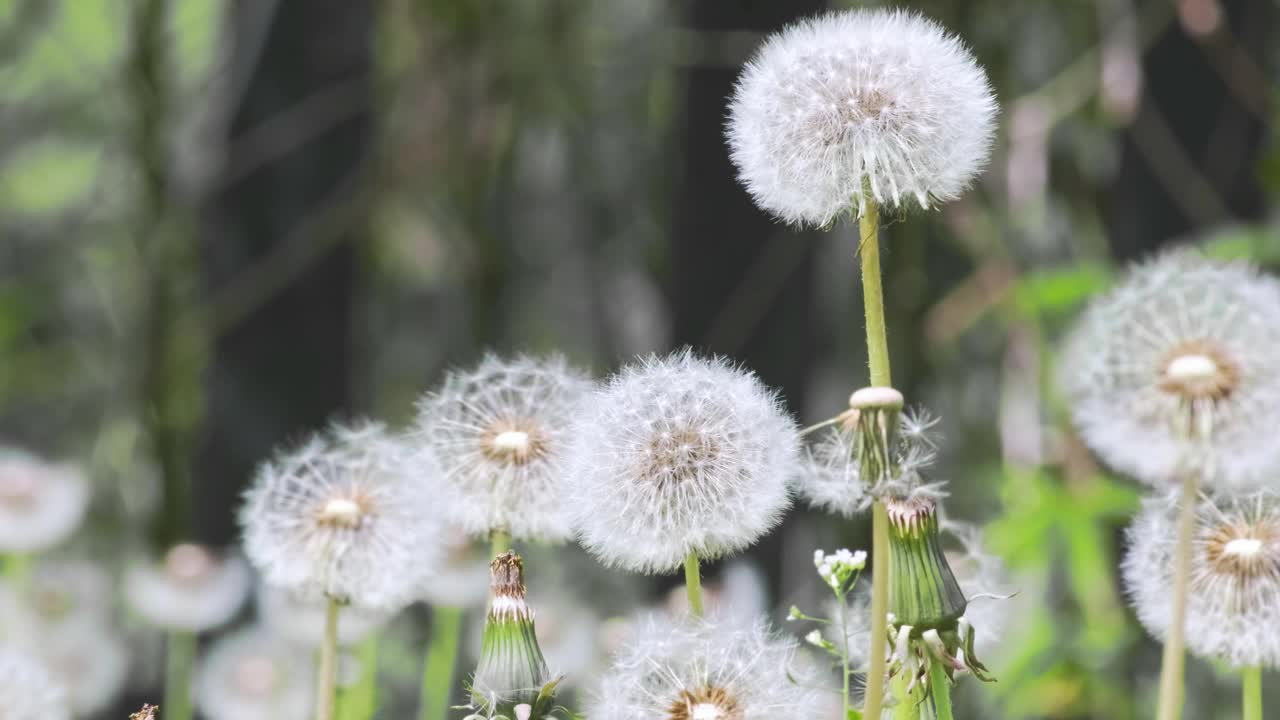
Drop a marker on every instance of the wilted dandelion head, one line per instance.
(29, 691)
(676, 455)
(858, 103)
(500, 431)
(41, 503)
(832, 478)
(346, 517)
(1233, 606)
(251, 675)
(699, 671)
(1179, 365)
(191, 589)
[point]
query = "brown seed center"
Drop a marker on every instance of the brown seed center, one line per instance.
(343, 512)
(679, 457)
(707, 703)
(514, 441)
(1198, 371)
(1243, 551)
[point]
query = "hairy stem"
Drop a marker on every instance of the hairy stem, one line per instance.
(499, 542)
(693, 583)
(873, 296)
(441, 662)
(180, 654)
(1169, 706)
(327, 679)
(939, 691)
(1252, 693)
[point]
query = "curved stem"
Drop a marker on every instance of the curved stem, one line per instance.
(693, 583)
(180, 653)
(499, 542)
(1169, 706)
(441, 662)
(327, 679)
(1252, 693)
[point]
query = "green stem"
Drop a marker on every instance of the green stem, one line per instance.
(908, 703)
(1169, 706)
(844, 653)
(693, 583)
(180, 654)
(873, 296)
(442, 657)
(327, 679)
(499, 542)
(1252, 693)
(360, 701)
(879, 611)
(17, 568)
(939, 691)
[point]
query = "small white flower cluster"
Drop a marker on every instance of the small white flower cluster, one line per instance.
(840, 567)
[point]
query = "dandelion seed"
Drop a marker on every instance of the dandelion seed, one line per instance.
(697, 671)
(499, 432)
(679, 455)
(251, 675)
(191, 590)
(1178, 367)
(1233, 603)
(852, 105)
(41, 503)
(347, 518)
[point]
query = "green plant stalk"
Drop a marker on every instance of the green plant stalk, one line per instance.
(693, 583)
(844, 654)
(441, 662)
(878, 363)
(180, 654)
(327, 678)
(1252, 693)
(1169, 705)
(360, 701)
(939, 692)
(499, 542)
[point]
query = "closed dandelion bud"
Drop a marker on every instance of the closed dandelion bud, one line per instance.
(512, 670)
(923, 593)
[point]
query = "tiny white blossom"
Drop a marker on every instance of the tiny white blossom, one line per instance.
(41, 503)
(679, 455)
(346, 517)
(814, 638)
(499, 432)
(1178, 366)
(847, 102)
(190, 590)
(818, 557)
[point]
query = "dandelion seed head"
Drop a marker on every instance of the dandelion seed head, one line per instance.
(251, 675)
(347, 516)
(500, 431)
(694, 670)
(1179, 364)
(41, 503)
(675, 455)
(29, 691)
(1234, 597)
(885, 98)
(190, 590)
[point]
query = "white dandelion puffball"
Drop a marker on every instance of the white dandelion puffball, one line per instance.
(29, 691)
(346, 517)
(41, 503)
(86, 658)
(251, 675)
(700, 671)
(499, 432)
(299, 620)
(190, 590)
(1233, 603)
(830, 477)
(679, 455)
(1179, 366)
(840, 104)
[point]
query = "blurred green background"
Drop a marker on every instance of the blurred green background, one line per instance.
(226, 223)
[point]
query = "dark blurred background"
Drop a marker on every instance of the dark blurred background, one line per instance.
(227, 222)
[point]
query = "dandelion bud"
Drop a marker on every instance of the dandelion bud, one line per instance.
(924, 592)
(512, 670)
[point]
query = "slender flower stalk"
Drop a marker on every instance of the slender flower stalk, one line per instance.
(1252, 701)
(441, 663)
(499, 542)
(327, 672)
(180, 654)
(1173, 660)
(693, 583)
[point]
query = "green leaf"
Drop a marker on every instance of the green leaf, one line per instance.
(48, 176)
(1059, 290)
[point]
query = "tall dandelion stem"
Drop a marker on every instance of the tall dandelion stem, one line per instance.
(1252, 693)
(1169, 706)
(878, 361)
(441, 663)
(693, 583)
(180, 654)
(499, 542)
(844, 655)
(327, 679)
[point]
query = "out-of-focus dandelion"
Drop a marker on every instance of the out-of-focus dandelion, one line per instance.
(41, 503)
(191, 590)
(500, 432)
(29, 691)
(251, 675)
(298, 620)
(858, 105)
(678, 459)
(691, 670)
